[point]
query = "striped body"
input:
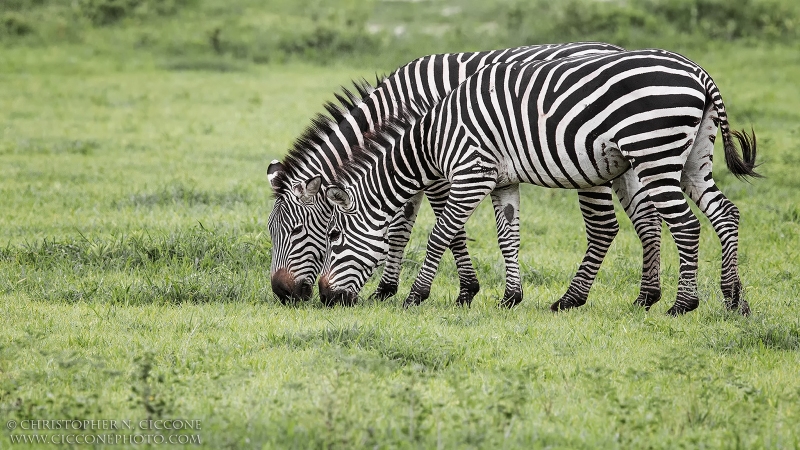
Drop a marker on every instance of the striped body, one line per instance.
(298, 219)
(572, 123)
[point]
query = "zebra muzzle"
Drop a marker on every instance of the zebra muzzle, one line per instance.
(288, 289)
(332, 296)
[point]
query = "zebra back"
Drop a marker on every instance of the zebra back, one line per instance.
(329, 140)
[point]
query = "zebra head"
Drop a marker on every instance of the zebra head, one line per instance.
(297, 229)
(356, 245)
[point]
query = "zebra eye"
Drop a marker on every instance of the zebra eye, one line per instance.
(296, 230)
(334, 235)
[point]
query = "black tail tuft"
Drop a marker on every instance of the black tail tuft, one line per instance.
(742, 167)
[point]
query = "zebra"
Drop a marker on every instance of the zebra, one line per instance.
(297, 221)
(649, 117)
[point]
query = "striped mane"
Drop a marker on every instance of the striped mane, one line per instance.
(379, 141)
(321, 125)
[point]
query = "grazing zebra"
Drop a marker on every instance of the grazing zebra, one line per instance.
(298, 219)
(649, 117)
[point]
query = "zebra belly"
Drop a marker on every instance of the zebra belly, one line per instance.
(603, 164)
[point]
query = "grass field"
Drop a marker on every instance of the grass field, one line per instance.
(134, 275)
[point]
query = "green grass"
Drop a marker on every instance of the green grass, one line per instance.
(134, 281)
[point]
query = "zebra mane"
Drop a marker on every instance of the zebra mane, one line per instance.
(380, 140)
(321, 125)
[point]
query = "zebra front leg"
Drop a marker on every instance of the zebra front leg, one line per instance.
(399, 234)
(597, 208)
(506, 213)
(468, 280)
(466, 192)
(397, 237)
(647, 223)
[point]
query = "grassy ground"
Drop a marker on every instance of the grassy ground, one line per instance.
(134, 282)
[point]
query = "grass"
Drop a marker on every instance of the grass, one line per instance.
(134, 281)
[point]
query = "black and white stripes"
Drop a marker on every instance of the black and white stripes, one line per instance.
(574, 123)
(298, 241)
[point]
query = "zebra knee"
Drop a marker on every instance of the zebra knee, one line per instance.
(689, 225)
(612, 229)
(733, 213)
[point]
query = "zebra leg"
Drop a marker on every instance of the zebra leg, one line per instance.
(724, 217)
(698, 184)
(506, 212)
(466, 192)
(468, 279)
(397, 237)
(597, 208)
(665, 192)
(399, 234)
(647, 223)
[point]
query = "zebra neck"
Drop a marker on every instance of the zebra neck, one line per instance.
(398, 174)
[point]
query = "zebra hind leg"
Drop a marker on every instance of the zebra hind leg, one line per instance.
(665, 192)
(597, 208)
(698, 184)
(506, 211)
(647, 223)
(724, 217)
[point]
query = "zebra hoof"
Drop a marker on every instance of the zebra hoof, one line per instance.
(467, 293)
(679, 309)
(566, 303)
(413, 299)
(383, 292)
(647, 299)
(742, 306)
(733, 298)
(511, 300)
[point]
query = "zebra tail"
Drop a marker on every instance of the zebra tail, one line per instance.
(743, 166)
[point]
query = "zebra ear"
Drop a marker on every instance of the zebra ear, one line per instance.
(312, 186)
(306, 191)
(338, 196)
(275, 168)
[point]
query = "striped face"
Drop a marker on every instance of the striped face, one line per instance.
(297, 226)
(356, 245)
